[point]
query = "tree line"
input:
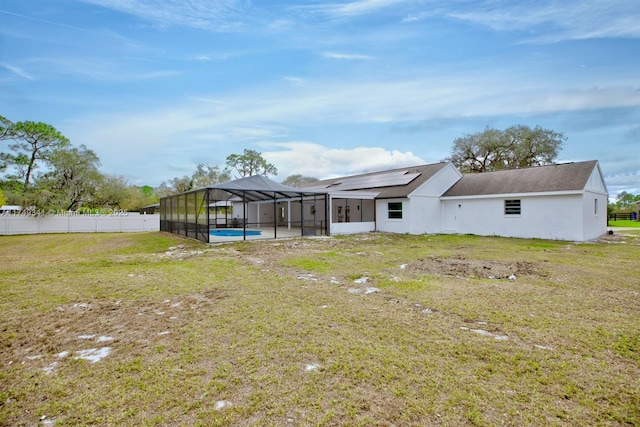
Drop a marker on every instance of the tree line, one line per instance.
(42, 168)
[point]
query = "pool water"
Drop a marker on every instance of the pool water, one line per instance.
(228, 232)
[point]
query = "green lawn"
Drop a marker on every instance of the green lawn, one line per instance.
(367, 330)
(624, 223)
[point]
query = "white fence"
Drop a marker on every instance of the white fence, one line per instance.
(129, 222)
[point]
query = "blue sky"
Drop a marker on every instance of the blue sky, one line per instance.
(323, 89)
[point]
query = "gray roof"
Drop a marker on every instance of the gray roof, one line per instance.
(252, 188)
(538, 179)
(388, 184)
(259, 187)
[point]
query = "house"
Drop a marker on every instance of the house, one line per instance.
(405, 200)
(150, 209)
(565, 201)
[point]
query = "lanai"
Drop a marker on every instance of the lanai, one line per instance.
(243, 205)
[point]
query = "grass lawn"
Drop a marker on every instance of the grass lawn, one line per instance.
(624, 223)
(367, 330)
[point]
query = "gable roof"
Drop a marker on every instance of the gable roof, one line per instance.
(564, 177)
(387, 184)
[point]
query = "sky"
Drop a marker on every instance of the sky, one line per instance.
(322, 89)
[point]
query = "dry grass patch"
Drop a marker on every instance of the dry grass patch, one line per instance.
(376, 329)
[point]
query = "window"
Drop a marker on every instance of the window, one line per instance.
(395, 210)
(595, 206)
(512, 207)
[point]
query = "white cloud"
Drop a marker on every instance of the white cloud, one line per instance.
(96, 68)
(297, 81)
(265, 115)
(214, 15)
(17, 71)
(334, 55)
(310, 159)
(548, 20)
(280, 25)
(59, 24)
(417, 17)
(262, 116)
(629, 182)
(349, 9)
(557, 19)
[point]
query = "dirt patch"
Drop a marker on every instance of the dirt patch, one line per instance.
(96, 330)
(463, 267)
(624, 236)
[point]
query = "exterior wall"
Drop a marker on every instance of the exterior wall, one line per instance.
(238, 213)
(595, 220)
(558, 217)
(393, 225)
(595, 183)
(439, 183)
(132, 222)
(351, 227)
(264, 215)
(426, 209)
(425, 215)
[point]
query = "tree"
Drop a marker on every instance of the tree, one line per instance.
(3, 199)
(5, 133)
(12, 190)
(147, 191)
(14, 182)
(111, 192)
(33, 142)
(250, 163)
(626, 201)
(136, 197)
(71, 182)
(175, 186)
(203, 176)
(515, 147)
(298, 180)
(206, 176)
(5, 128)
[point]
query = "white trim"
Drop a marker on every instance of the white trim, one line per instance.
(368, 195)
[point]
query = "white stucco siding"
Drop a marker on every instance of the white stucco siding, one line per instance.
(265, 214)
(393, 225)
(253, 213)
(594, 214)
(438, 183)
(424, 211)
(595, 183)
(425, 215)
(594, 209)
(238, 211)
(351, 227)
(547, 217)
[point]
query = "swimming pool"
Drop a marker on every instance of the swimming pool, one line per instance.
(233, 232)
